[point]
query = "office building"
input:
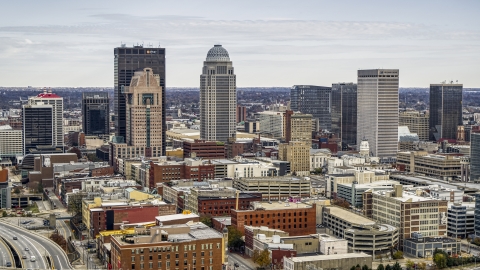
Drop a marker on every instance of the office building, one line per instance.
(275, 188)
(271, 123)
(446, 167)
(298, 127)
(298, 154)
(477, 215)
(218, 96)
(417, 122)
(95, 113)
(10, 143)
(461, 220)
(314, 100)
(47, 98)
(241, 113)
(203, 149)
(445, 110)
(333, 261)
(475, 157)
(127, 61)
(144, 109)
(377, 111)
(424, 247)
(37, 126)
(344, 113)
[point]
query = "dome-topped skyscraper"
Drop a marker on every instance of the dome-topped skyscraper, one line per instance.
(218, 96)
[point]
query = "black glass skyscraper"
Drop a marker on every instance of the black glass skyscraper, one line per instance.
(475, 158)
(37, 126)
(127, 61)
(344, 113)
(95, 113)
(445, 110)
(314, 100)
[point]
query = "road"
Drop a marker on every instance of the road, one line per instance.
(58, 256)
(244, 264)
(23, 242)
(5, 254)
(63, 229)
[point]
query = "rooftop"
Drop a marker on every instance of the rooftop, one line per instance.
(279, 205)
(175, 217)
(329, 257)
(350, 216)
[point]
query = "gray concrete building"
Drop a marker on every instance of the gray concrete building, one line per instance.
(218, 96)
(335, 261)
(460, 220)
(377, 111)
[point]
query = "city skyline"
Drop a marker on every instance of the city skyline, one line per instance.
(312, 43)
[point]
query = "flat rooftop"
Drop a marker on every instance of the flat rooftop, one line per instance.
(329, 257)
(432, 239)
(281, 205)
(350, 216)
(175, 217)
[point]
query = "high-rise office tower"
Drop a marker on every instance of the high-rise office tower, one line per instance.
(475, 157)
(344, 113)
(127, 61)
(218, 96)
(95, 113)
(377, 110)
(47, 98)
(38, 128)
(314, 100)
(445, 110)
(297, 127)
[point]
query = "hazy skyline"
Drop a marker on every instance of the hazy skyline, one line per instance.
(271, 43)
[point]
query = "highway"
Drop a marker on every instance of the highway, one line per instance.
(5, 254)
(20, 244)
(32, 240)
(63, 229)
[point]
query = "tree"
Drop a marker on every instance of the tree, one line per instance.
(422, 266)
(398, 255)
(4, 214)
(440, 260)
(75, 203)
(380, 267)
(76, 151)
(16, 190)
(409, 264)
(39, 187)
(255, 255)
(263, 258)
(365, 267)
(207, 220)
(396, 266)
(93, 158)
(59, 239)
(234, 237)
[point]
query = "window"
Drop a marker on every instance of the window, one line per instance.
(133, 258)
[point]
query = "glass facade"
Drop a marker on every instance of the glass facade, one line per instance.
(344, 113)
(445, 110)
(475, 157)
(314, 100)
(37, 126)
(127, 61)
(95, 113)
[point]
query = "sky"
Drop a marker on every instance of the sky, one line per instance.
(271, 43)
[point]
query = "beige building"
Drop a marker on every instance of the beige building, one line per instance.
(443, 166)
(360, 177)
(298, 154)
(416, 122)
(409, 211)
(301, 128)
(335, 261)
(275, 188)
(144, 109)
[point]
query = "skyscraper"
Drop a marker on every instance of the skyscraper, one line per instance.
(475, 158)
(95, 113)
(218, 96)
(377, 110)
(127, 61)
(445, 110)
(344, 113)
(47, 98)
(38, 127)
(314, 100)
(143, 114)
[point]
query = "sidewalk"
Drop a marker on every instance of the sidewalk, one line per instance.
(243, 259)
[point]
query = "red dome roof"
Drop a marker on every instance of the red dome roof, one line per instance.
(48, 95)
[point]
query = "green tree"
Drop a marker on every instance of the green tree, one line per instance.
(255, 255)
(396, 266)
(16, 190)
(75, 203)
(234, 237)
(365, 267)
(440, 260)
(4, 214)
(380, 267)
(93, 158)
(398, 255)
(422, 266)
(40, 187)
(352, 268)
(207, 220)
(263, 258)
(409, 264)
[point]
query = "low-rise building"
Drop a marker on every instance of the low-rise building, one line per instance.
(319, 158)
(359, 177)
(446, 167)
(334, 261)
(203, 149)
(193, 245)
(423, 247)
(275, 188)
(461, 220)
(190, 168)
(294, 218)
(363, 234)
(353, 192)
(298, 154)
(222, 206)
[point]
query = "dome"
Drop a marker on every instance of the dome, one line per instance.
(218, 53)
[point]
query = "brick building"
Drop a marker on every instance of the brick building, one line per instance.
(197, 170)
(222, 206)
(204, 149)
(293, 218)
(188, 246)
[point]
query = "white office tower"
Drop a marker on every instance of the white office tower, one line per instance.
(218, 96)
(377, 116)
(47, 98)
